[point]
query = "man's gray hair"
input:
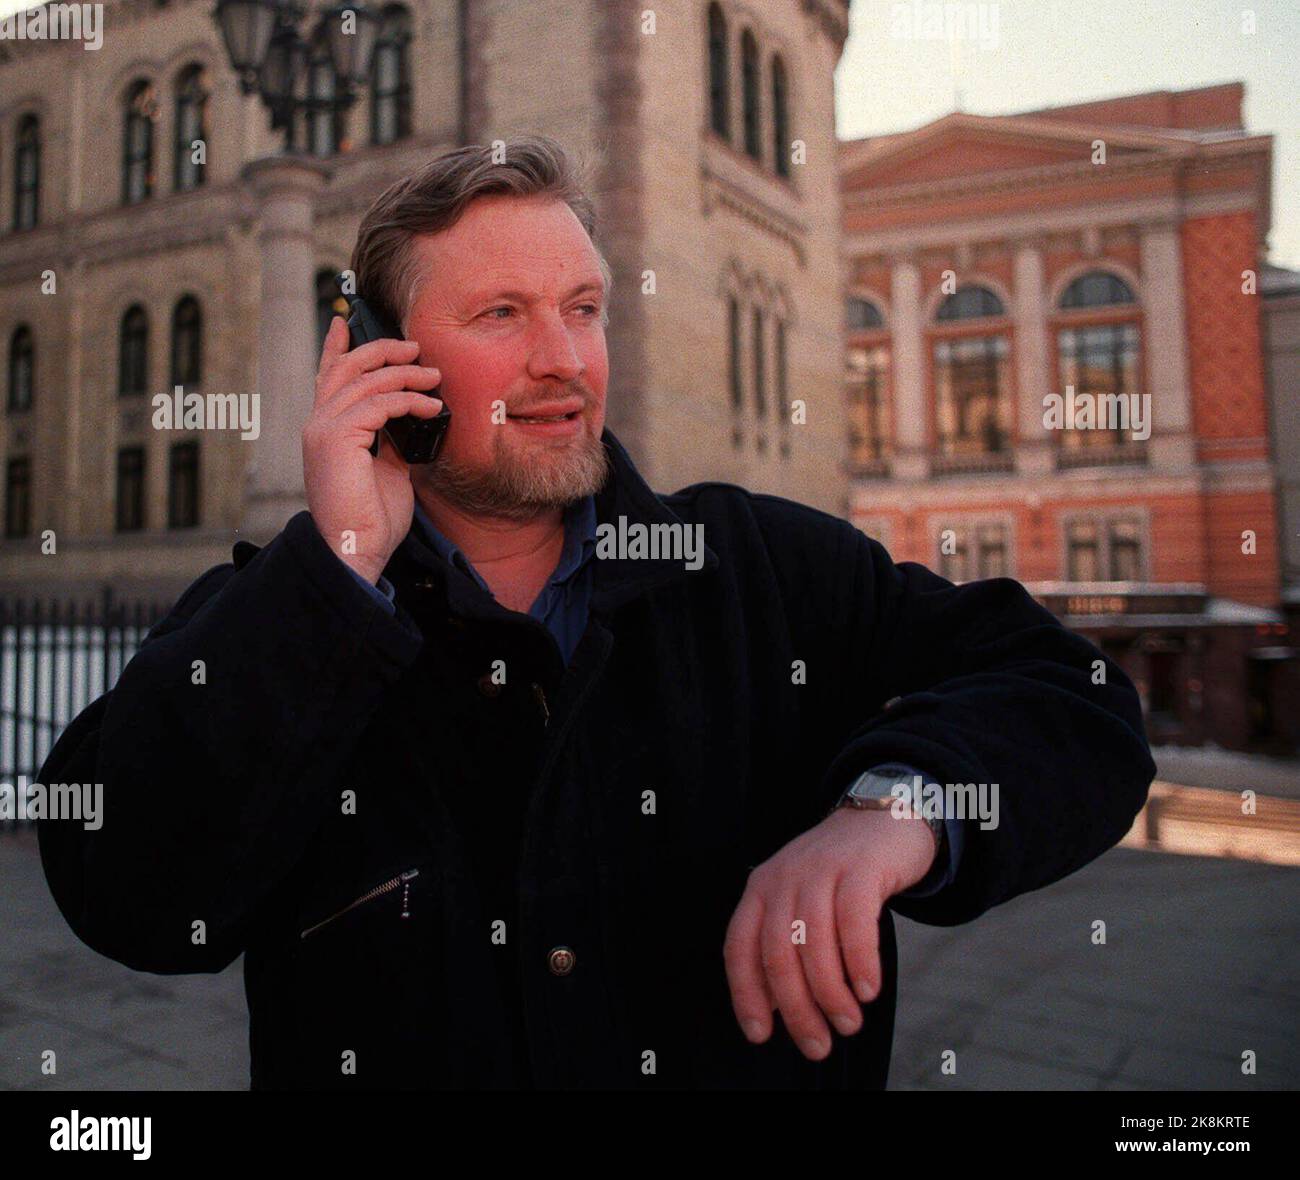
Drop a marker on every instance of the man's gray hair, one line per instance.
(387, 269)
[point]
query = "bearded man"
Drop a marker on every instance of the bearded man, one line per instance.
(484, 807)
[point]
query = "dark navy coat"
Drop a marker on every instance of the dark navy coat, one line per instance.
(440, 881)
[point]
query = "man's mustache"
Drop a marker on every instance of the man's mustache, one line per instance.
(574, 391)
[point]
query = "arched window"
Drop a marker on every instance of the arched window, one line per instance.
(749, 93)
(861, 314)
(390, 83)
(968, 303)
(1097, 288)
(324, 111)
(27, 172)
(760, 371)
(133, 352)
(22, 369)
(719, 71)
(1099, 368)
(187, 343)
(191, 128)
(329, 303)
(780, 119)
(137, 142)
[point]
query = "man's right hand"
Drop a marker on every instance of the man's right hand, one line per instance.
(349, 491)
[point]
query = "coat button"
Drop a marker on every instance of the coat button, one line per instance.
(488, 687)
(561, 960)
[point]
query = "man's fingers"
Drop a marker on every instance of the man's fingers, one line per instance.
(742, 957)
(389, 379)
(820, 952)
(857, 917)
(371, 414)
(365, 359)
(783, 970)
(335, 346)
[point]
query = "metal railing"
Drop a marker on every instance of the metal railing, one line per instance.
(1116, 455)
(978, 463)
(55, 658)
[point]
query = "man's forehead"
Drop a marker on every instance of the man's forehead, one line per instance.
(495, 229)
(525, 268)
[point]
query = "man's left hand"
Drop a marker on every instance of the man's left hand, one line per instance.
(834, 879)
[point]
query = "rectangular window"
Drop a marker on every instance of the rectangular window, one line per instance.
(1104, 550)
(869, 424)
(183, 486)
(130, 489)
(954, 555)
(1125, 551)
(782, 390)
(18, 497)
(973, 551)
(973, 410)
(1101, 361)
(991, 550)
(733, 369)
(1083, 552)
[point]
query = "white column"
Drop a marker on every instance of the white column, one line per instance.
(1029, 311)
(907, 336)
(286, 188)
(1165, 341)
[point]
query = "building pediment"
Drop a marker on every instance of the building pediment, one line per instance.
(967, 146)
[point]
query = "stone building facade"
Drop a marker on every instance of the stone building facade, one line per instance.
(707, 132)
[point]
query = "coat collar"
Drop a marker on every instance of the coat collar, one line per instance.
(625, 500)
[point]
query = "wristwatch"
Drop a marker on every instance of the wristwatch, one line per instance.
(874, 790)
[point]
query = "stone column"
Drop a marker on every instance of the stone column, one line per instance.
(1034, 450)
(285, 188)
(70, 513)
(910, 459)
(1165, 341)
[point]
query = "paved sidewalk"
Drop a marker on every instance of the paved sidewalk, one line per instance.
(1201, 963)
(1228, 770)
(111, 1028)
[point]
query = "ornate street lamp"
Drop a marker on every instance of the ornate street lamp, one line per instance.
(269, 55)
(273, 59)
(352, 51)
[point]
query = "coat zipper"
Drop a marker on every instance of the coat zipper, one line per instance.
(404, 880)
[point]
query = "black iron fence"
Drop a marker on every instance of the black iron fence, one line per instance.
(55, 658)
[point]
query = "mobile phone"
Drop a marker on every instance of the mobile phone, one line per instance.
(418, 440)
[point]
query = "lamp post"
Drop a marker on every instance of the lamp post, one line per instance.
(270, 57)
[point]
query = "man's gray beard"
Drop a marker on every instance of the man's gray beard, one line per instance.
(514, 489)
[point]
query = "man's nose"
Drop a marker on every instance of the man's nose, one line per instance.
(552, 353)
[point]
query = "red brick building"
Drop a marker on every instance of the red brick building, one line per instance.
(1055, 372)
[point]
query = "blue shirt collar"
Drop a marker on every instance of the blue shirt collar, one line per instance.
(579, 542)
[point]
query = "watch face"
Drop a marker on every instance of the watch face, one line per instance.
(876, 788)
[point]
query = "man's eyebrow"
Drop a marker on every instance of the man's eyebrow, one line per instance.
(524, 297)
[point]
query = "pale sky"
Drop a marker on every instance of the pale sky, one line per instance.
(1053, 52)
(1036, 53)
